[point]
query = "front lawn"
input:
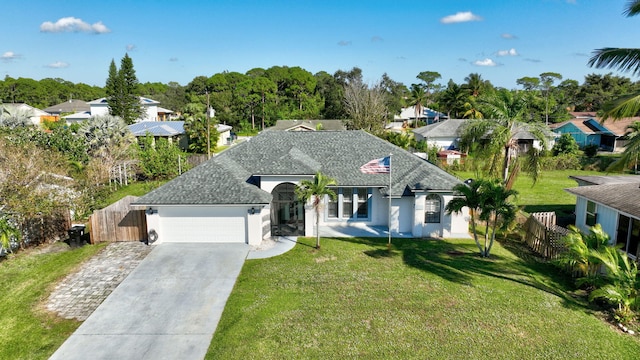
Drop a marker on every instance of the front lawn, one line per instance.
(27, 330)
(428, 299)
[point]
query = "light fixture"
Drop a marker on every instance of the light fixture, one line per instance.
(151, 211)
(251, 211)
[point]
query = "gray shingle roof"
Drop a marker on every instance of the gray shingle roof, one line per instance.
(338, 154)
(446, 128)
(157, 128)
(622, 197)
(73, 105)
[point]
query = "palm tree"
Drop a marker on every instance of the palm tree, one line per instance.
(623, 288)
(14, 117)
(623, 59)
(496, 210)
(497, 134)
(315, 191)
(417, 99)
(474, 84)
(7, 232)
(106, 136)
(631, 150)
(581, 254)
(453, 100)
(471, 197)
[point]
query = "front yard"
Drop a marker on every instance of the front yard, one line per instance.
(428, 299)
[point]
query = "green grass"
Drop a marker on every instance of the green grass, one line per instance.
(27, 330)
(424, 300)
(547, 194)
(137, 188)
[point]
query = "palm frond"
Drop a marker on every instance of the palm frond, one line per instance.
(623, 59)
(623, 107)
(632, 8)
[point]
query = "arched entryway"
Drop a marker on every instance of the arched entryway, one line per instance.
(287, 213)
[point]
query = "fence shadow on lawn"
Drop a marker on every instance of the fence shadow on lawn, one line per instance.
(461, 263)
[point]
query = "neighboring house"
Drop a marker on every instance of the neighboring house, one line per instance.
(308, 125)
(170, 130)
(614, 203)
(527, 139)
(174, 132)
(101, 107)
(429, 116)
(247, 192)
(68, 107)
(35, 115)
(444, 134)
(608, 135)
(225, 138)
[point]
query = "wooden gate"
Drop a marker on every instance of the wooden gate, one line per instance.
(543, 236)
(118, 222)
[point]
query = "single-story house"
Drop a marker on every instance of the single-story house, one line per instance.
(614, 203)
(170, 130)
(308, 125)
(174, 131)
(443, 135)
(608, 135)
(247, 192)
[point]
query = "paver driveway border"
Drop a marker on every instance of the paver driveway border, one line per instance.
(167, 308)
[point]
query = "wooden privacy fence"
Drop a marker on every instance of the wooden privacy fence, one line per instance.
(543, 236)
(118, 222)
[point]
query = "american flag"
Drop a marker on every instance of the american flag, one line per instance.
(377, 166)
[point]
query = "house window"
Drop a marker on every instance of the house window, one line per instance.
(343, 206)
(332, 207)
(363, 203)
(432, 209)
(591, 213)
(628, 234)
(347, 203)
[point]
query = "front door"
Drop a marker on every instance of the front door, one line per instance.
(287, 213)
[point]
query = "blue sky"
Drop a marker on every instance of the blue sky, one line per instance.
(503, 40)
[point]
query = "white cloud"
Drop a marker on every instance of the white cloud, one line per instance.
(508, 36)
(344, 42)
(131, 47)
(58, 65)
(72, 24)
(485, 62)
(459, 17)
(510, 52)
(9, 55)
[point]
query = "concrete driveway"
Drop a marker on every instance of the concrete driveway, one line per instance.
(167, 308)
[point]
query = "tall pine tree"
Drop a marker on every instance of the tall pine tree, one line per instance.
(122, 91)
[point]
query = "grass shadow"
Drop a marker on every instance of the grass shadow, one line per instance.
(460, 262)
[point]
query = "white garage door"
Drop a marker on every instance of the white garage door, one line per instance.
(202, 224)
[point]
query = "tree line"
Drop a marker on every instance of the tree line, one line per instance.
(260, 97)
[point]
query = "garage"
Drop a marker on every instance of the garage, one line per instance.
(202, 224)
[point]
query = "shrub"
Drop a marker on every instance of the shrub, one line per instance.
(566, 144)
(560, 162)
(590, 150)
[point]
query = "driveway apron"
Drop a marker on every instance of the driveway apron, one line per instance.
(167, 308)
